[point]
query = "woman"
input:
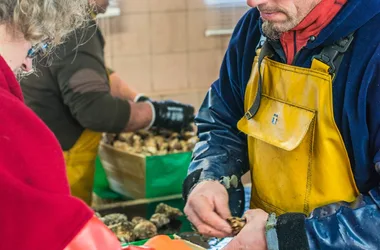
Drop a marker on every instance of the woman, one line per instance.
(37, 211)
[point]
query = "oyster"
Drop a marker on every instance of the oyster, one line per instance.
(189, 134)
(123, 231)
(126, 137)
(122, 146)
(136, 220)
(151, 146)
(160, 220)
(237, 224)
(159, 139)
(175, 145)
(192, 141)
(185, 146)
(109, 138)
(144, 230)
(170, 212)
(112, 219)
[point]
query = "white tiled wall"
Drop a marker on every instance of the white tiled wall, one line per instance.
(159, 47)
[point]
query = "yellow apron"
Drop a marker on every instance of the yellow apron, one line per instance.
(80, 164)
(297, 155)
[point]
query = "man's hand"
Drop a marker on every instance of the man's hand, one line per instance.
(252, 236)
(207, 208)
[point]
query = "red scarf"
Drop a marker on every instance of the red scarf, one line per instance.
(293, 40)
(36, 209)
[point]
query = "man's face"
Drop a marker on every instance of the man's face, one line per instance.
(280, 16)
(100, 5)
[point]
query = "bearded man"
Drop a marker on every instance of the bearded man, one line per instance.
(297, 104)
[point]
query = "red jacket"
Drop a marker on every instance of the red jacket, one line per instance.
(37, 211)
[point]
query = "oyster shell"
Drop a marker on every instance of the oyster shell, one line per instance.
(237, 224)
(126, 137)
(170, 212)
(112, 219)
(144, 230)
(160, 220)
(123, 231)
(136, 220)
(122, 146)
(175, 145)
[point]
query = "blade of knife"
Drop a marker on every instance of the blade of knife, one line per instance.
(195, 238)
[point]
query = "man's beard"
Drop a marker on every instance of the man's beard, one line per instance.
(274, 30)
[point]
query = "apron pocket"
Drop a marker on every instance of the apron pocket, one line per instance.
(280, 142)
(278, 123)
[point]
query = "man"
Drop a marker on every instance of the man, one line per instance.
(297, 103)
(78, 97)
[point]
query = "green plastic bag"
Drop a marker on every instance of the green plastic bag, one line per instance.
(165, 174)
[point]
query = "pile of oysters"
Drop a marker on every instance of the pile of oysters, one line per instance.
(153, 142)
(139, 228)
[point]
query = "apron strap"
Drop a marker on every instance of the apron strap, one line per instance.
(333, 55)
(266, 50)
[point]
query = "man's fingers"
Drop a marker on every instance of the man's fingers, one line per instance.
(212, 219)
(222, 207)
(253, 214)
(207, 208)
(203, 228)
(248, 215)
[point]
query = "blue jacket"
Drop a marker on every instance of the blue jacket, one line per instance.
(222, 150)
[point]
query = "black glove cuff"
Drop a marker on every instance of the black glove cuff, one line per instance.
(291, 232)
(141, 98)
(189, 183)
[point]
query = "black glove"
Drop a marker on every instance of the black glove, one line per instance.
(170, 114)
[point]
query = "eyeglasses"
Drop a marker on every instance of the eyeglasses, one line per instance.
(39, 49)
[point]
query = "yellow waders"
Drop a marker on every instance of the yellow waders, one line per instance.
(297, 155)
(80, 164)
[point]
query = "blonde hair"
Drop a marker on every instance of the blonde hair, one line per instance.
(41, 19)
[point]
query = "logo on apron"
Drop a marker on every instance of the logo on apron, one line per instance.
(274, 119)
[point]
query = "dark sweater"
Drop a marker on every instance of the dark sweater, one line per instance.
(71, 90)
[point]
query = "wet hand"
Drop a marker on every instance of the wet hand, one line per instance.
(252, 236)
(207, 208)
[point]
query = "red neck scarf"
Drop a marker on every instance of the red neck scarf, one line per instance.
(293, 40)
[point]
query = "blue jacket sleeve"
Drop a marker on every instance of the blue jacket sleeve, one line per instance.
(343, 225)
(222, 151)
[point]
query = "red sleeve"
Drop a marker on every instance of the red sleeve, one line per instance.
(94, 236)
